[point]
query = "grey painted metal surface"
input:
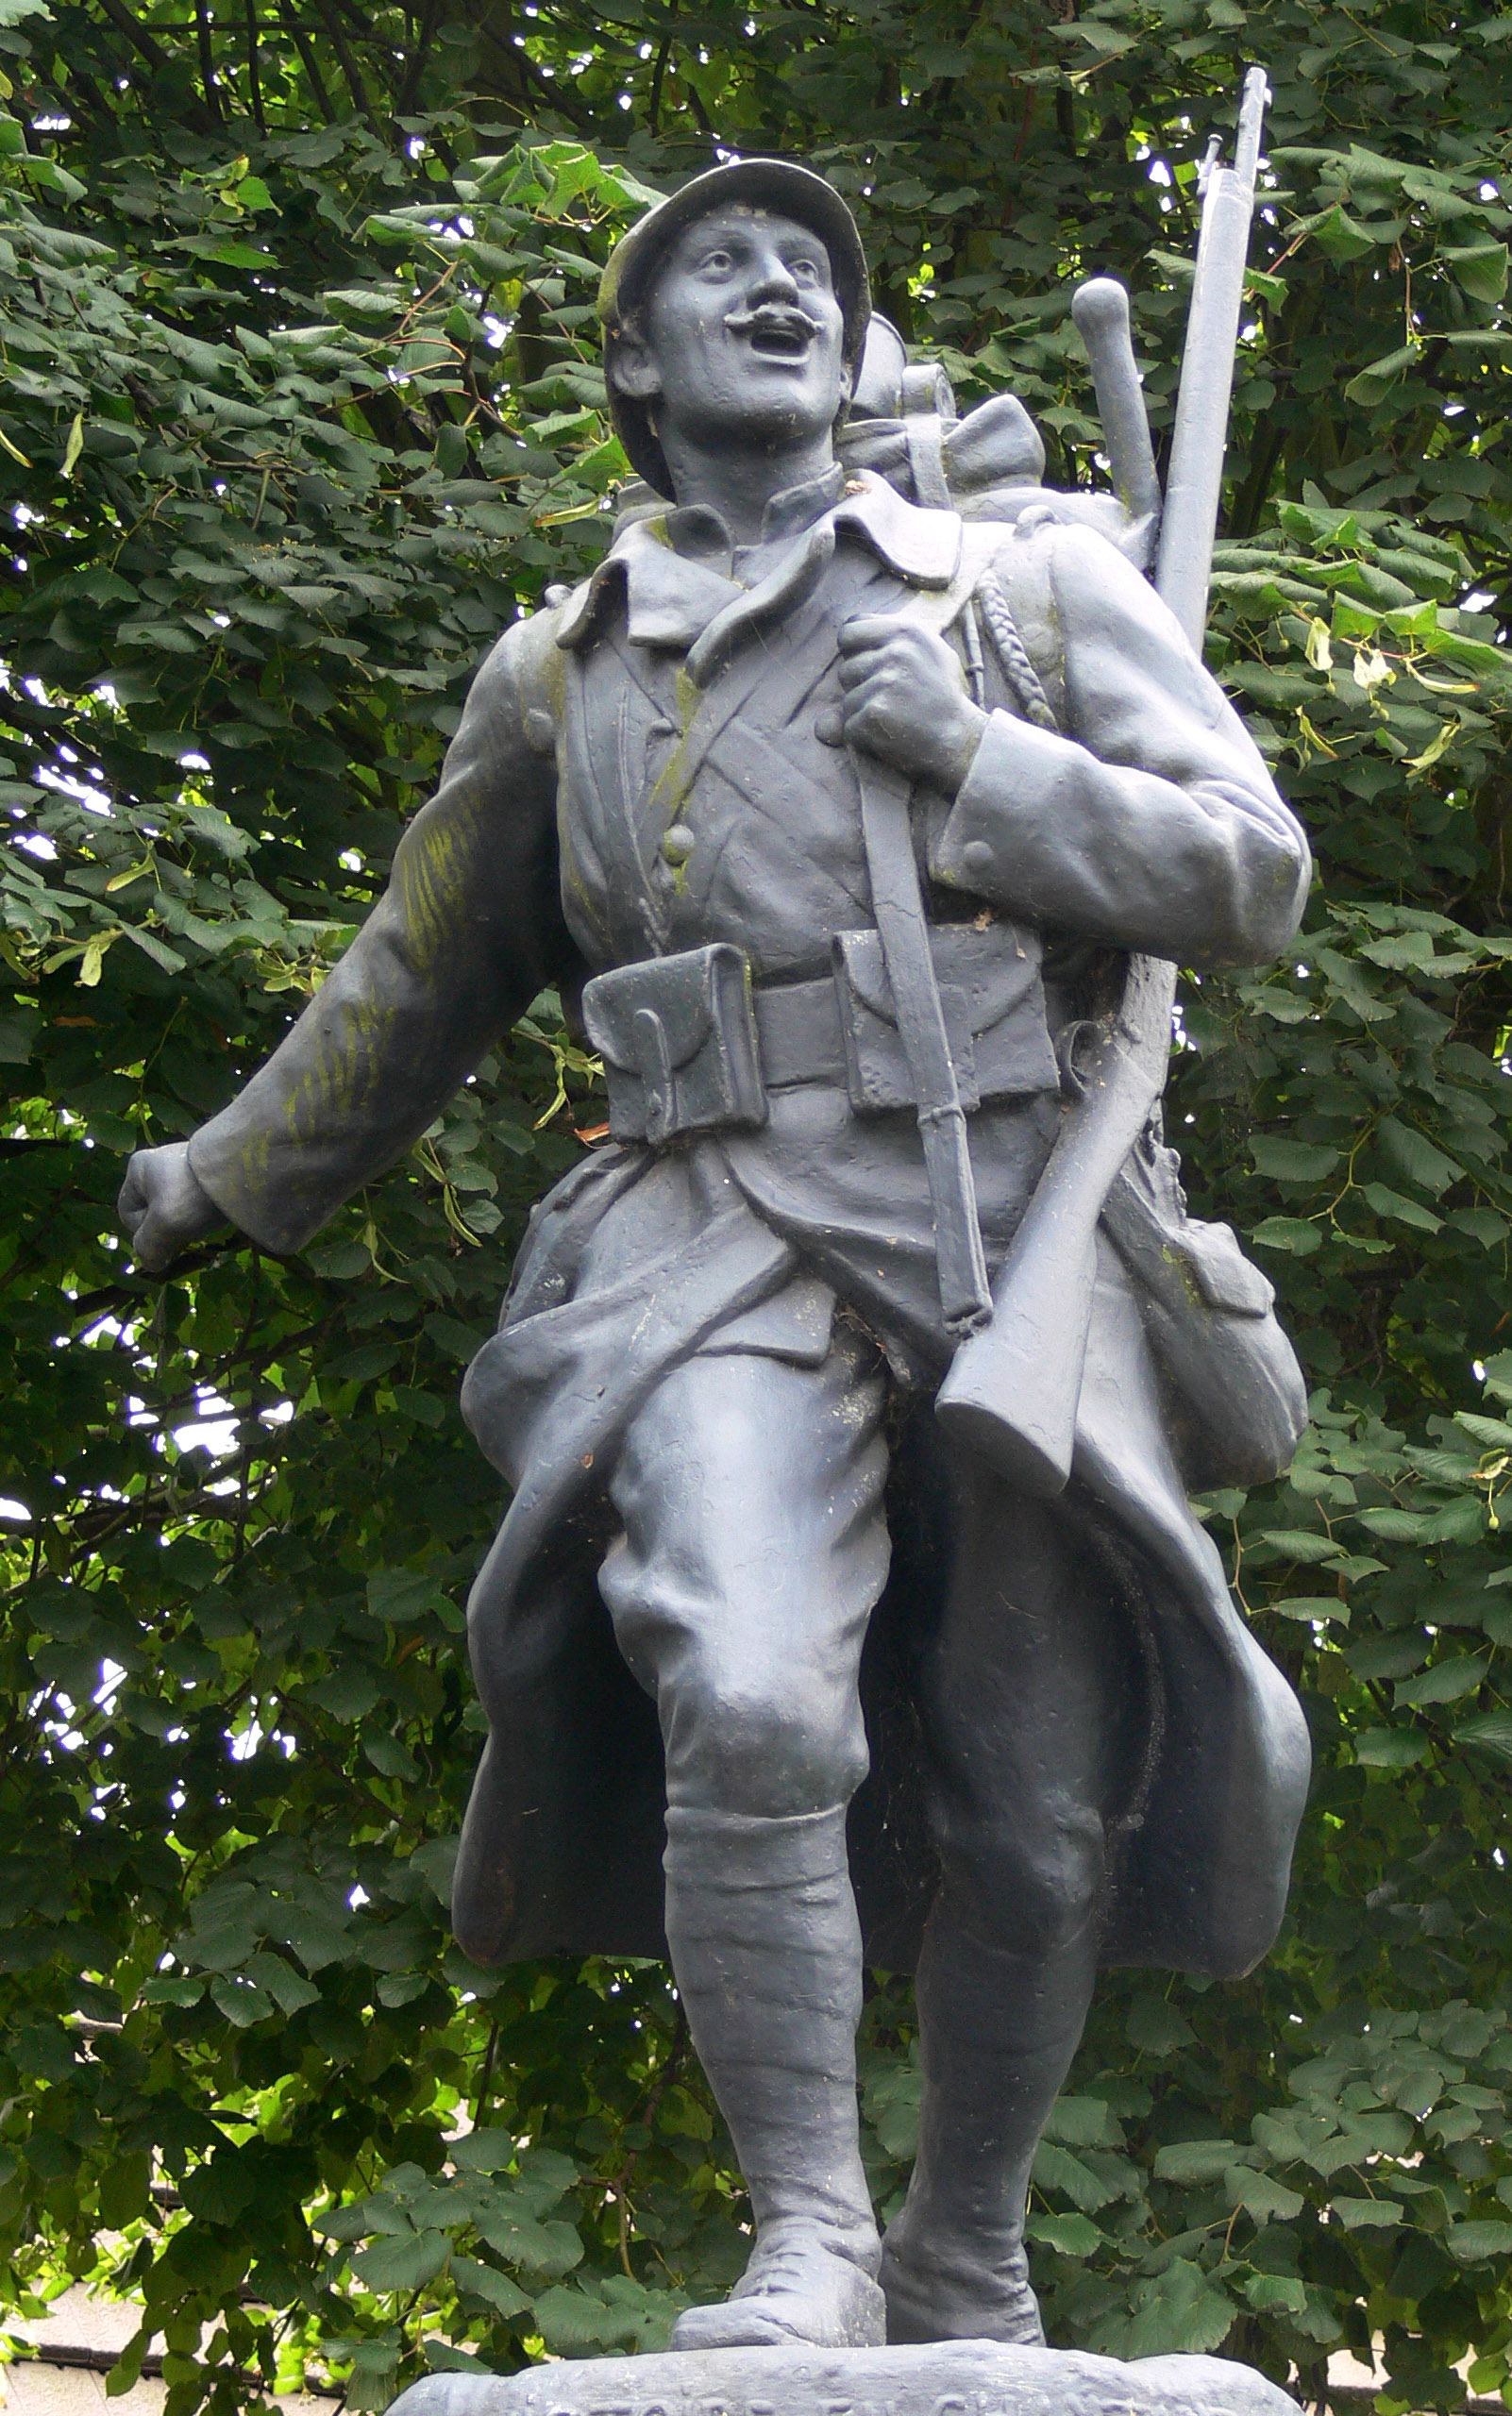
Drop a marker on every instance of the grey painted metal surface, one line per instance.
(866, 829)
(961, 2378)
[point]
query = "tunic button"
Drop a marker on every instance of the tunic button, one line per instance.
(676, 844)
(977, 856)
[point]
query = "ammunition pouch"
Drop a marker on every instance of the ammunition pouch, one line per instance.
(689, 1045)
(678, 1038)
(994, 1006)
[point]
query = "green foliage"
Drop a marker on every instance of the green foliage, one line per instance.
(299, 403)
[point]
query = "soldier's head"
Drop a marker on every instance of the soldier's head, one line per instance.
(734, 316)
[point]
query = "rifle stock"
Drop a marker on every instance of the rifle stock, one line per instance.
(1012, 1389)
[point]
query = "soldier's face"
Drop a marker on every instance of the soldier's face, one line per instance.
(742, 336)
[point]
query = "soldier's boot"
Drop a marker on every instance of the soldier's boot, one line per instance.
(766, 1948)
(996, 2033)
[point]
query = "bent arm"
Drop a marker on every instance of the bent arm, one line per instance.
(1151, 822)
(467, 932)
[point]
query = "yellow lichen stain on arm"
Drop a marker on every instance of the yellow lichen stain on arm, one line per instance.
(254, 1170)
(575, 888)
(346, 1074)
(432, 871)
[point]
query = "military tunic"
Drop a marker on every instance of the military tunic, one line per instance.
(651, 766)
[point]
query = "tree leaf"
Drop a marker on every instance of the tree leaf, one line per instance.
(1469, 2242)
(1291, 1162)
(1267, 2201)
(1489, 1732)
(1068, 2234)
(486, 2282)
(1444, 1681)
(1056, 2168)
(1198, 2160)
(406, 2262)
(1361, 2214)
(1302, 1543)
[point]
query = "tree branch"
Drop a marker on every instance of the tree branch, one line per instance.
(415, 67)
(206, 59)
(301, 42)
(254, 79)
(344, 59)
(138, 36)
(659, 71)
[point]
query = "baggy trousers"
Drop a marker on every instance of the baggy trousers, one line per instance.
(754, 1548)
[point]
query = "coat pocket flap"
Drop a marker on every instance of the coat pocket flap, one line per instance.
(678, 1038)
(678, 991)
(994, 970)
(994, 1006)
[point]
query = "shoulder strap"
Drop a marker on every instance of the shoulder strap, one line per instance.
(897, 901)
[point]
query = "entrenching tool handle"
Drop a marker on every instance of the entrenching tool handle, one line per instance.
(1101, 312)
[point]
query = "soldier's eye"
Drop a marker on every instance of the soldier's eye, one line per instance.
(717, 261)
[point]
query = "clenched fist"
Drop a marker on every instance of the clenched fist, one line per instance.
(905, 700)
(163, 1207)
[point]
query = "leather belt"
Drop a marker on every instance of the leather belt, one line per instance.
(691, 1045)
(797, 1023)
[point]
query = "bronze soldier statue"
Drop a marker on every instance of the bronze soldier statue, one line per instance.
(837, 814)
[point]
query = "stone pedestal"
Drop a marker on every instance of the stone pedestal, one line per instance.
(946, 2378)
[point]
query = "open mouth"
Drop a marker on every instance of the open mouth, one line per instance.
(774, 334)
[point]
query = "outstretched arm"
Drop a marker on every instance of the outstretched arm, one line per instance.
(468, 931)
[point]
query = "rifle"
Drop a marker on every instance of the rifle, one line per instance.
(1012, 1390)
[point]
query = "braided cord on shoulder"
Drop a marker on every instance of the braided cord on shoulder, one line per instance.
(1012, 652)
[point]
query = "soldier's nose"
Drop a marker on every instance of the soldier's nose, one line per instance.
(775, 282)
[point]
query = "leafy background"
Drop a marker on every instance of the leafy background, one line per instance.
(299, 404)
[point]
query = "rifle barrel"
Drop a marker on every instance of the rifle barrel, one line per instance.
(1194, 483)
(1011, 1390)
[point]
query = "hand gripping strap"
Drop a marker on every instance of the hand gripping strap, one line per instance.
(897, 902)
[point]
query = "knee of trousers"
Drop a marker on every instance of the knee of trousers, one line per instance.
(766, 1751)
(1027, 1882)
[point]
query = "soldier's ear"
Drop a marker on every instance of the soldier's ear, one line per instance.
(632, 367)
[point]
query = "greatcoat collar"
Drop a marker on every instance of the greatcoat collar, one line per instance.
(671, 596)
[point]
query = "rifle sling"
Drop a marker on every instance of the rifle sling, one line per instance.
(897, 902)
(965, 1296)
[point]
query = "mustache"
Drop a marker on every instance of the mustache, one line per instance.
(774, 318)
